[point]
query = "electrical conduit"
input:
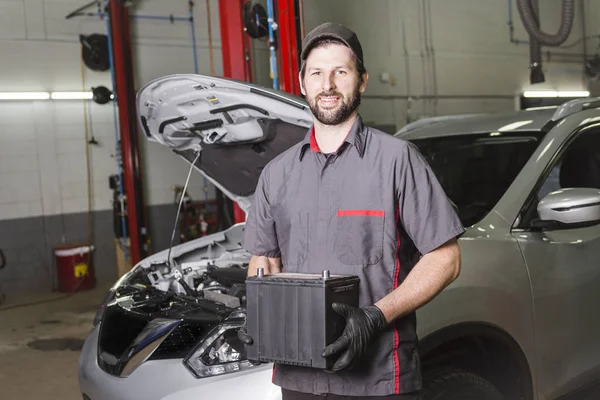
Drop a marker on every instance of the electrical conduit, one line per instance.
(117, 147)
(272, 45)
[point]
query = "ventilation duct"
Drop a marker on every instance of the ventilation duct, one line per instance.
(529, 12)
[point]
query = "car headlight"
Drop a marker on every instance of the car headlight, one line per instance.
(220, 353)
(110, 296)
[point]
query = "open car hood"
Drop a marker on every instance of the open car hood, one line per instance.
(238, 127)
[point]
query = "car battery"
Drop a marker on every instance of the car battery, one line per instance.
(290, 316)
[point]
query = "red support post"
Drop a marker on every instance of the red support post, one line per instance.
(235, 48)
(289, 56)
(233, 43)
(125, 94)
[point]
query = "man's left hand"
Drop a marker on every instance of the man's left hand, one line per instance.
(362, 324)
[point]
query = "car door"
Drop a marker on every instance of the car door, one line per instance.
(564, 268)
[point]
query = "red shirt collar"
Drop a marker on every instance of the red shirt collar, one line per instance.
(314, 146)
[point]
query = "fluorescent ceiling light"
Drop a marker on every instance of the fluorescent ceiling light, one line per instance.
(540, 93)
(555, 93)
(574, 93)
(71, 95)
(24, 95)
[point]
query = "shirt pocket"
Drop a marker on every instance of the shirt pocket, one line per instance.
(295, 240)
(359, 236)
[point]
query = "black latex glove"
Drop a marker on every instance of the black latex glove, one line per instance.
(243, 335)
(362, 325)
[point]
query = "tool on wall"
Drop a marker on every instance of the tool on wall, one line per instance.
(256, 23)
(94, 50)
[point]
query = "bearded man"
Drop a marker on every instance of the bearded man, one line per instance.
(355, 201)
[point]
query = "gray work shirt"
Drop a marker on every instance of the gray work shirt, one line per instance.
(370, 209)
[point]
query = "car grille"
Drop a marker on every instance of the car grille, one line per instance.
(181, 341)
(120, 327)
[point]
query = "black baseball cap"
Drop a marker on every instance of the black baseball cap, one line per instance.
(333, 31)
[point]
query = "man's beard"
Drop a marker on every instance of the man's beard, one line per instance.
(339, 115)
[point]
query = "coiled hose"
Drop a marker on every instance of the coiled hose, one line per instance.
(535, 49)
(529, 12)
(530, 21)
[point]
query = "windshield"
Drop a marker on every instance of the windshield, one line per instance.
(476, 170)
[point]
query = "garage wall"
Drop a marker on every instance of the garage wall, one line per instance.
(466, 52)
(43, 173)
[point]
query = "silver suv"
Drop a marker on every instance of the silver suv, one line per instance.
(519, 322)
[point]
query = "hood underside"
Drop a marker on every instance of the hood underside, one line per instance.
(238, 127)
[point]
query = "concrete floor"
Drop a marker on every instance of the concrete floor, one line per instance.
(40, 344)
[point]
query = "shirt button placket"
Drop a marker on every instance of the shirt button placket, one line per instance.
(323, 209)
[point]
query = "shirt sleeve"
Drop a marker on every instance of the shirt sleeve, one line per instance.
(425, 211)
(260, 238)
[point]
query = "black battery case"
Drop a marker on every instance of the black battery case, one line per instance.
(290, 316)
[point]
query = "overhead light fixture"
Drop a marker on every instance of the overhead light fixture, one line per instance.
(555, 93)
(100, 95)
(71, 95)
(24, 95)
(576, 93)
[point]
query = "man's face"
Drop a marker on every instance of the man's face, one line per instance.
(331, 84)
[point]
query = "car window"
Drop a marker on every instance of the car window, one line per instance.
(476, 170)
(578, 166)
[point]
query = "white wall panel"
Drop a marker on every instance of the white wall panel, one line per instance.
(469, 52)
(42, 143)
(12, 19)
(41, 52)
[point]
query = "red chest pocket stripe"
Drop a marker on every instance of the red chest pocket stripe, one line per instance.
(360, 213)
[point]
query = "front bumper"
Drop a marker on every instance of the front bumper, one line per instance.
(170, 380)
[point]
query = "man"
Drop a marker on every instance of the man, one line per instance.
(355, 201)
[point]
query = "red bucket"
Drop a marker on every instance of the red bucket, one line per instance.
(73, 267)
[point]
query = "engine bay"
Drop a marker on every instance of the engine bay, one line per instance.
(202, 289)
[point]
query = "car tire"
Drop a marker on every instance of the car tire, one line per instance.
(454, 384)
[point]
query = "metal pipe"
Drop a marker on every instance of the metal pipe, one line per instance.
(210, 42)
(431, 52)
(289, 50)
(272, 45)
(584, 36)
(125, 86)
(193, 29)
(140, 16)
(441, 97)
(535, 48)
(301, 12)
(406, 67)
(158, 17)
(511, 26)
(116, 126)
(424, 55)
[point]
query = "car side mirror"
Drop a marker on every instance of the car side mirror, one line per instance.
(572, 206)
